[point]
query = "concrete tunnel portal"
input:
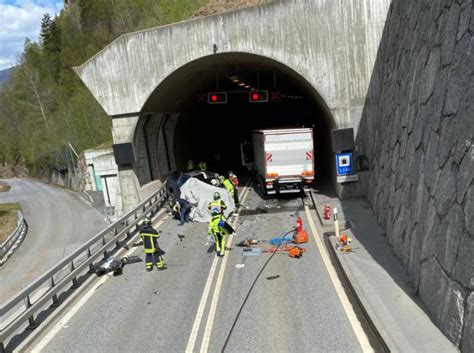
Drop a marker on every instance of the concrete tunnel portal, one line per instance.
(177, 123)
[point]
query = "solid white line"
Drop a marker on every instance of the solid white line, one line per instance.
(64, 320)
(78, 305)
(212, 311)
(202, 305)
(215, 298)
(349, 310)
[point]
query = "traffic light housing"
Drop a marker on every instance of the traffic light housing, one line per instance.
(258, 96)
(217, 97)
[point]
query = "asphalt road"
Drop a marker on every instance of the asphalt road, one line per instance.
(298, 311)
(59, 222)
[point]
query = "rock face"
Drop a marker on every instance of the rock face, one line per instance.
(418, 131)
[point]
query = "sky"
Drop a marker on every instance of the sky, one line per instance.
(20, 19)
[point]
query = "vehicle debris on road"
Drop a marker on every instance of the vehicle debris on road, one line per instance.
(115, 266)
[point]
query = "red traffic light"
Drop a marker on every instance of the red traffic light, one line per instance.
(258, 96)
(217, 97)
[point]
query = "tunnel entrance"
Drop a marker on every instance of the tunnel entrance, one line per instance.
(179, 124)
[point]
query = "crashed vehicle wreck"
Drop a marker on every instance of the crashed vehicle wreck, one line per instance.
(199, 194)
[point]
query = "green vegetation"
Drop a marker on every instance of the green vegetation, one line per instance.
(9, 207)
(44, 105)
(8, 219)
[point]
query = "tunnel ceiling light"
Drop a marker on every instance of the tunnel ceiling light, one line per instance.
(234, 78)
(292, 97)
(247, 86)
(242, 84)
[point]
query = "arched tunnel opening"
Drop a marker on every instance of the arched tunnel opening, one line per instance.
(179, 124)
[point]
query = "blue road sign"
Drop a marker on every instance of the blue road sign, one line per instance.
(344, 163)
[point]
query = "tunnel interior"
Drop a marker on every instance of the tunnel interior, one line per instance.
(213, 132)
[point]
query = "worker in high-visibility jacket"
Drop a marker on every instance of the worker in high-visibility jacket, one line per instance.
(154, 254)
(190, 166)
(228, 185)
(217, 207)
(235, 181)
(202, 166)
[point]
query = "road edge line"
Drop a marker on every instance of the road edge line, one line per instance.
(346, 304)
(69, 305)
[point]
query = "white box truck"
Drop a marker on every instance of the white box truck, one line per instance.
(282, 158)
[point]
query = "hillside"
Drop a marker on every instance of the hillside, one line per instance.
(45, 107)
(217, 6)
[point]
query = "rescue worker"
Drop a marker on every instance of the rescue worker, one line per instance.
(151, 248)
(202, 166)
(176, 210)
(190, 166)
(217, 207)
(235, 181)
(228, 185)
(185, 207)
(233, 178)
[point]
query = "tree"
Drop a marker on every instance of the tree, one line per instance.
(50, 36)
(45, 104)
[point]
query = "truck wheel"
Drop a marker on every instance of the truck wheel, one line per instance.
(262, 187)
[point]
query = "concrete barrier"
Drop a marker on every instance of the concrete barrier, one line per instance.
(8, 247)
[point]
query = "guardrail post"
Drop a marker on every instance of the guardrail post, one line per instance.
(31, 319)
(75, 284)
(126, 225)
(55, 297)
(55, 290)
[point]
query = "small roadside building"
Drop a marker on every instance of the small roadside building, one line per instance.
(102, 173)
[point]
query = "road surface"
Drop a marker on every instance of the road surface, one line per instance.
(193, 305)
(59, 221)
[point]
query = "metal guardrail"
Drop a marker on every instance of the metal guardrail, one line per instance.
(19, 313)
(11, 240)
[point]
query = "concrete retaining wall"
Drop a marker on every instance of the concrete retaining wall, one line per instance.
(418, 131)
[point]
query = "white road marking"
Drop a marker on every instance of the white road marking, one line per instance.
(65, 319)
(349, 310)
(215, 298)
(82, 301)
(202, 305)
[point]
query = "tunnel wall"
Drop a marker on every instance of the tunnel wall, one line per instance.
(417, 129)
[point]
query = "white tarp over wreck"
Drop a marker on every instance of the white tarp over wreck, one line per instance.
(200, 194)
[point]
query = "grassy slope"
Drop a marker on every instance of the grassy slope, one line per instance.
(8, 219)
